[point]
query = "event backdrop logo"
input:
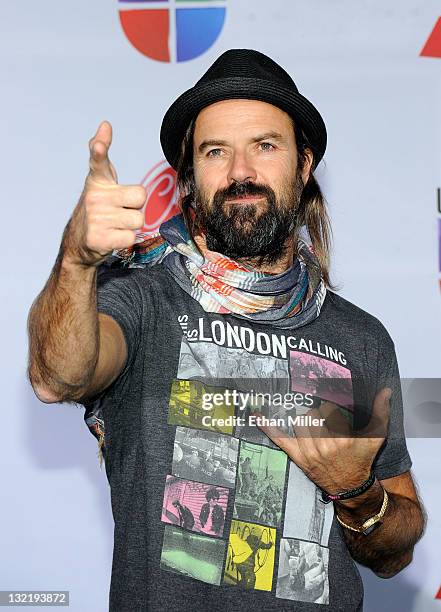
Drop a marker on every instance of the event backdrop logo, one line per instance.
(172, 30)
(160, 204)
(432, 47)
(438, 198)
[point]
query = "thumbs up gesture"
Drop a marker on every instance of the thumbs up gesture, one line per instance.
(107, 215)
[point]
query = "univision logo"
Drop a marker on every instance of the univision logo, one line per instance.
(172, 30)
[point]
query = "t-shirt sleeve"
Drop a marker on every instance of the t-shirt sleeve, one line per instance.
(393, 457)
(119, 296)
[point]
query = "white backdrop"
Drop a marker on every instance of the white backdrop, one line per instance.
(68, 65)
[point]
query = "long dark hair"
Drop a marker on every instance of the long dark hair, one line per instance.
(312, 211)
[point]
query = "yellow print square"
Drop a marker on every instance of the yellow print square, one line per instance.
(196, 405)
(250, 556)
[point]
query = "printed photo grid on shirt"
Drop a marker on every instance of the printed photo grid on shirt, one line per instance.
(237, 511)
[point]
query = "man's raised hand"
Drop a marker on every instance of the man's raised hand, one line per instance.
(107, 215)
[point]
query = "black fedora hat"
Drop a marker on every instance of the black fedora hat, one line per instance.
(242, 73)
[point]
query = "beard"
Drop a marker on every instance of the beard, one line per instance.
(255, 230)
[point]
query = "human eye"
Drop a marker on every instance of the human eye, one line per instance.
(267, 144)
(209, 154)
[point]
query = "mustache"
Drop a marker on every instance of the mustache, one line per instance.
(244, 188)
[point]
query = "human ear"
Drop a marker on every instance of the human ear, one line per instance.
(308, 160)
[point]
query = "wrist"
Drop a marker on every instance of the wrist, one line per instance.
(366, 523)
(357, 487)
(363, 505)
(76, 278)
(71, 264)
(74, 257)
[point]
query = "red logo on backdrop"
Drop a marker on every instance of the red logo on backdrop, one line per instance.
(160, 204)
(438, 595)
(432, 48)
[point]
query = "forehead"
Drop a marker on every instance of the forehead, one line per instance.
(243, 115)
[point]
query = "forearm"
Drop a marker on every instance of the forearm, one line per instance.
(389, 548)
(64, 332)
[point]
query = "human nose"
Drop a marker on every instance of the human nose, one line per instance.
(241, 168)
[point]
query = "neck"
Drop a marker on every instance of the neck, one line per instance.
(259, 263)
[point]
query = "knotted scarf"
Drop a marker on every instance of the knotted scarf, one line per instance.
(287, 300)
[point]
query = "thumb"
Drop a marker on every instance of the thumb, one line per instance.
(100, 167)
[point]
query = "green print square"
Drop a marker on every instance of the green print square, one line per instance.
(260, 484)
(193, 555)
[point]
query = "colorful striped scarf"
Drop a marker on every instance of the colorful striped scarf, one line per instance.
(287, 300)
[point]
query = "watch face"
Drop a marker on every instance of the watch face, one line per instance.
(372, 528)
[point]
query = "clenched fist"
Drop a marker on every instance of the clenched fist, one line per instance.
(107, 215)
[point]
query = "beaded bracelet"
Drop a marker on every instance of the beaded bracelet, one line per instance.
(326, 497)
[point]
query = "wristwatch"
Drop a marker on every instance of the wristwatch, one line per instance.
(371, 523)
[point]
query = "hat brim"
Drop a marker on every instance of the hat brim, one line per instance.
(191, 102)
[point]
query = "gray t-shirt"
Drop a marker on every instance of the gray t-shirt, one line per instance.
(209, 514)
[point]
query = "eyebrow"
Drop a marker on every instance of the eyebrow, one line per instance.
(266, 136)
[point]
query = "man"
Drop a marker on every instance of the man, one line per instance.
(268, 498)
(212, 515)
(186, 518)
(246, 268)
(246, 476)
(246, 563)
(194, 461)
